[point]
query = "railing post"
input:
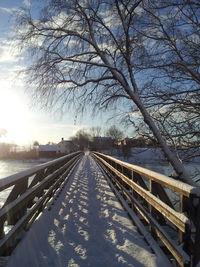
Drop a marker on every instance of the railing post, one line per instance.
(131, 176)
(185, 238)
(182, 209)
(2, 233)
(152, 189)
(196, 249)
(18, 190)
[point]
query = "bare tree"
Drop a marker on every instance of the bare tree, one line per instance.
(87, 52)
(4, 150)
(114, 133)
(95, 131)
(82, 139)
(36, 143)
(170, 35)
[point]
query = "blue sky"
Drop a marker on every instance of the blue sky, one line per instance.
(25, 123)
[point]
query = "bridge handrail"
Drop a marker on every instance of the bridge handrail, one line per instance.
(21, 207)
(14, 178)
(176, 185)
(155, 206)
(177, 218)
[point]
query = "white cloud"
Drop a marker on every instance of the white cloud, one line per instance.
(9, 65)
(6, 10)
(8, 52)
(27, 3)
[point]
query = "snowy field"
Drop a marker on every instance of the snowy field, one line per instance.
(85, 226)
(153, 159)
(140, 155)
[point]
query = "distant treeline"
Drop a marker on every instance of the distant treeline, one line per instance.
(12, 151)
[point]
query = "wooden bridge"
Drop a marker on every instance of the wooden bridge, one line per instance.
(94, 210)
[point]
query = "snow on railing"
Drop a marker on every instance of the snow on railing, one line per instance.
(31, 191)
(169, 207)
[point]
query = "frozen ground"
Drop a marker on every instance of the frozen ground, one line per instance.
(86, 226)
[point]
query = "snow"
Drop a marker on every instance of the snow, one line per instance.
(85, 226)
(146, 234)
(139, 155)
(147, 155)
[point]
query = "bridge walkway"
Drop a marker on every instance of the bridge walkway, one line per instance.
(85, 226)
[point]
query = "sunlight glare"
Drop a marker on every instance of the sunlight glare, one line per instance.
(13, 114)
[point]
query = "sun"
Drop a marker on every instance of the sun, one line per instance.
(13, 114)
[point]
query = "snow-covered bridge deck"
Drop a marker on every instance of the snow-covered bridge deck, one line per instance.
(85, 226)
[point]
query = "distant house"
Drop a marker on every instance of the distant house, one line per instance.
(47, 151)
(122, 142)
(65, 147)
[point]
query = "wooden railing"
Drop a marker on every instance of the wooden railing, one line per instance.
(169, 208)
(30, 192)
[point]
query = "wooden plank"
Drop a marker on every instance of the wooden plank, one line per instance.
(38, 178)
(152, 210)
(196, 248)
(173, 184)
(177, 218)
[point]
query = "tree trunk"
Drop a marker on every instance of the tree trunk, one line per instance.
(171, 157)
(175, 162)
